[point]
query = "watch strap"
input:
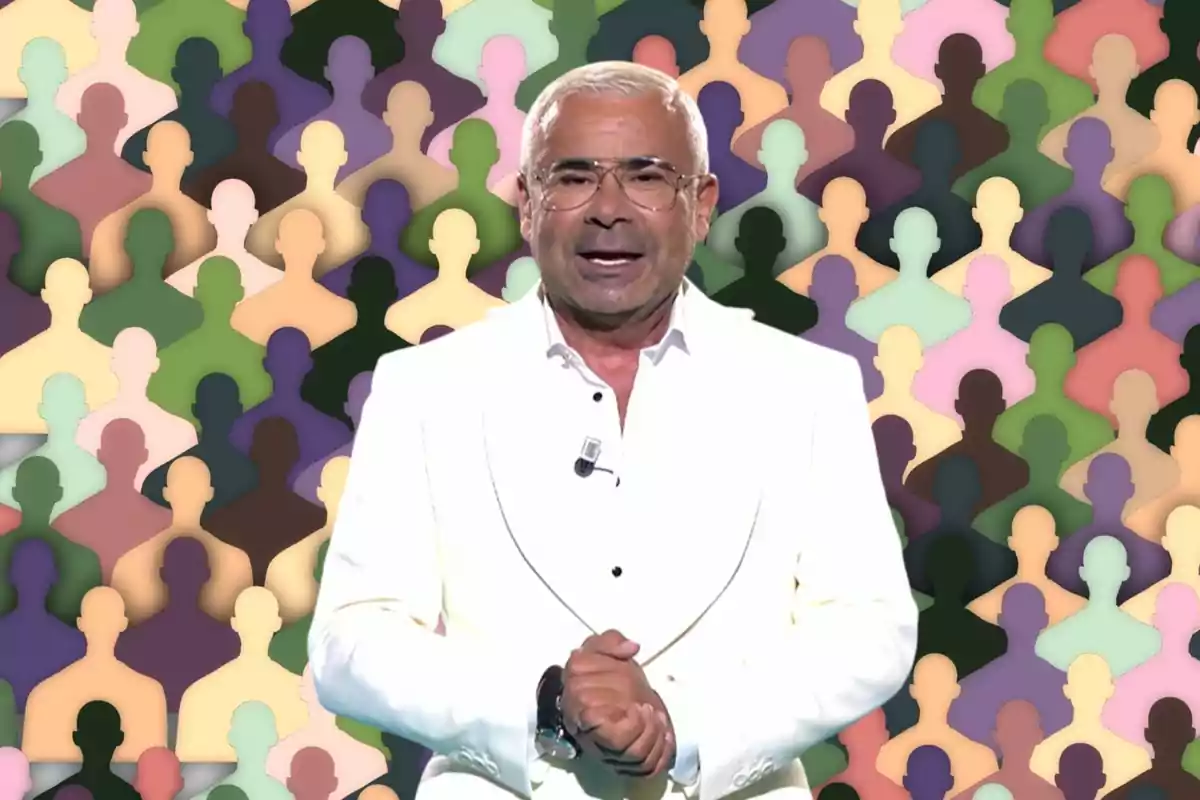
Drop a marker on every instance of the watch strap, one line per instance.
(549, 692)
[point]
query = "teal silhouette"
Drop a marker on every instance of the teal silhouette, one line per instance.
(1031, 22)
(213, 347)
(1051, 356)
(36, 492)
(782, 154)
(1036, 177)
(573, 23)
(760, 240)
(1045, 448)
(144, 301)
(63, 407)
(43, 70)
(912, 299)
(473, 153)
(1150, 207)
(923, 600)
(523, 274)
(992, 791)
(1101, 627)
(460, 47)
(252, 734)
(9, 726)
(47, 233)
(163, 29)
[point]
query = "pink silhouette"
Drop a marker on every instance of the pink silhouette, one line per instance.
(159, 776)
(15, 781)
(985, 21)
(1132, 345)
(1177, 617)
(658, 53)
(501, 68)
(863, 740)
(983, 344)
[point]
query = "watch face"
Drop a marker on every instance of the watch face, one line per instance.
(551, 745)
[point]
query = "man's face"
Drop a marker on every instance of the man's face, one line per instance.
(607, 128)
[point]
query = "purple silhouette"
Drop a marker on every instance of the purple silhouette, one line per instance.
(180, 644)
(894, 443)
(721, 106)
(1176, 314)
(773, 28)
(367, 137)
(419, 24)
(306, 485)
(1109, 487)
(1080, 772)
(24, 314)
(268, 25)
(288, 360)
(1088, 152)
(493, 277)
(884, 178)
(436, 332)
(1182, 236)
(928, 776)
(1019, 674)
(387, 210)
(834, 288)
(34, 644)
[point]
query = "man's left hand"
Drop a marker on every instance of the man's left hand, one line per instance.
(609, 705)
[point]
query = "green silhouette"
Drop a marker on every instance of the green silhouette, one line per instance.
(912, 299)
(923, 600)
(252, 734)
(602, 8)
(473, 153)
(47, 233)
(716, 272)
(573, 24)
(43, 70)
(782, 154)
(1036, 177)
(823, 760)
(1101, 627)
(141, 5)
(63, 407)
(523, 274)
(289, 649)
(144, 301)
(9, 726)
(36, 492)
(1150, 207)
(1046, 450)
(1031, 22)
(163, 28)
(1051, 356)
(213, 347)
(226, 791)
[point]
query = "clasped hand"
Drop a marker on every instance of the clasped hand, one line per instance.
(610, 709)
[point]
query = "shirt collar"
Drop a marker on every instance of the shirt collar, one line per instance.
(674, 337)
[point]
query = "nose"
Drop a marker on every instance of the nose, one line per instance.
(610, 204)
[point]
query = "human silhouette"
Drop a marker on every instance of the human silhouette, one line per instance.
(574, 24)
(1169, 730)
(97, 734)
(1182, 28)
(252, 734)
(1080, 773)
(721, 108)
(896, 449)
(833, 289)
(43, 69)
(159, 775)
(1016, 732)
(1164, 423)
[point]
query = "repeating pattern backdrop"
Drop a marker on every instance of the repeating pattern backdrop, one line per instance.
(216, 215)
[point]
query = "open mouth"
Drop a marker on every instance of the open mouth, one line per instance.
(610, 258)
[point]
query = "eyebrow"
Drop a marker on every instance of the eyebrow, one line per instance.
(588, 163)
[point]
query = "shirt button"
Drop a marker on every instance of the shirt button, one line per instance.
(598, 396)
(616, 572)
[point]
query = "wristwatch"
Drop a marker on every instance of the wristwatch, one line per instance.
(551, 738)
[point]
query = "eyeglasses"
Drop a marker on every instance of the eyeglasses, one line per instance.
(651, 183)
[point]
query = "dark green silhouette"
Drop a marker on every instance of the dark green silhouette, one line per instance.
(10, 727)
(1036, 177)
(315, 28)
(213, 347)
(760, 240)
(36, 490)
(227, 791)
(97, 734)
(473, 153)
(47, 233)
(1161, 430)
(1046, 450)
(144, 301)
(1181, 23)
(573, 23)
(372, 289)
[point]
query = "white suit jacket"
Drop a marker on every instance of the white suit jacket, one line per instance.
(780, 612)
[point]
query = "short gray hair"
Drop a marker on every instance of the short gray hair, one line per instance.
(615, 77)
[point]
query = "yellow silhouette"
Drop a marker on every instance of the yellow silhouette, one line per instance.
(1182, 541)
(22, 21)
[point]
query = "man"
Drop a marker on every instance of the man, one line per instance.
(714, 566)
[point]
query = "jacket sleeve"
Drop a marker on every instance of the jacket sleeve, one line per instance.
(854, 632)
(373, 649)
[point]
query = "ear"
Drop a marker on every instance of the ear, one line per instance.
(524, 207)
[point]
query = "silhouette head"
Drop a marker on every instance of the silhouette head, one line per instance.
(915, 240)
(168, 151)
(838, 791)
(275, 449)
(1044, 445)
(149, 240)
(721, 106)
(102, 114)
(1149, 203)
(185, 568)
(1134, 400)
(1018, 727)
(218, 403)
(928, 773)
(67, 288)
(98, 731)
(502, 65)
(1023, 613)
(980, 399)
(218, 288)
(573, 23)
(1030, 21)
(227, 791)
(32, 571)
(1051, 354)
(1025, 110)
(1109, 484)
(1105, 567)
(899, 354)
(252, 731)
(409, 112)
(64, 402)
(372, 288)
(356, 396)
(998, 206)
(869, 111)
(1169, 728)
(254, 112)
(834, 285)
(20, 153)
(987, 287)
(15, 779)
(114, 23)
(43, 67)
(333, 481)
(267, 25)
(1138, 286)
(992, 791)
(312, 773)
(1033, 537)
(233, 210)
(322, 151)
(725, 23)
(1089, 148)
(256, 619)
(134, 356)
(36, 489)
(102, 618)
(122, 451)
(300, 240)
(935, 684)
(349, 69)
(894, 443)
(1178, 22)
(159, 775)
(808, 66)
(1068, 240)
(520, 279)
(656, 52)
(197, 67)
(960, 64)
(1189, 359)
(421, 21)
(387, 209)
(878, 23)
(474, 150)
(843, 207)
(1175, 111)
(453, 240)
(760, 240)
(1080, 773)
(1089, 684)
(1114, 64)
(288, 359)
(783, 151)
(1177, 615)
(189, 486)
